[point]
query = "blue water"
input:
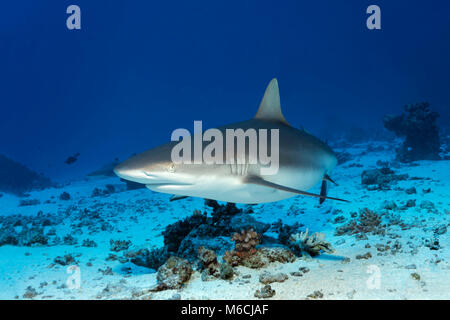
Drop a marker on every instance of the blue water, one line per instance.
(139, 69)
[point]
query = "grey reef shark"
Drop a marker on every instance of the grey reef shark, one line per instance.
(303, 161)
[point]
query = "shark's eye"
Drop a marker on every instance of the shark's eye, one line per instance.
(171, 167)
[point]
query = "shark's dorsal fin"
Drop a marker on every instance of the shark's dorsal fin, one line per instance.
(261, 182)
(270, 107)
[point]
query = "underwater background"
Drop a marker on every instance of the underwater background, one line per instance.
(75, 101)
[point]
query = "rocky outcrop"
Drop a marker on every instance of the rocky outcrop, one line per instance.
(17, 179)
(173, 274)
(418, 127)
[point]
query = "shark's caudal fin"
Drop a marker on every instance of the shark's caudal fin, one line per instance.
(270, 107)
(260, 181)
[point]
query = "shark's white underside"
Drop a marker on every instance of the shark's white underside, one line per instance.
(234, 188)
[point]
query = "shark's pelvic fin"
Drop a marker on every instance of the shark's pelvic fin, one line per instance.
(327, 178)
(177, 197)
(270, 107)
(323, 191)
(260, 181)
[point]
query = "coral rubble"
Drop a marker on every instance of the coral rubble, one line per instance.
(152, 259)
(265, 292)
(68, 259)
(173, 274)
(246, 254)
(368, 222)
(380, 179)
(311, 244)
(267, 277)
(208, 260)
(119, 245)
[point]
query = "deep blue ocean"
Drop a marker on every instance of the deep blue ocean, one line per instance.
(137, 70)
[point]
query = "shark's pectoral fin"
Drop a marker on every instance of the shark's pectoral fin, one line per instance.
(323, 191)
(261, 182)
(177, 197)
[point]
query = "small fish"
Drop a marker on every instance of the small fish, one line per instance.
(72, 159)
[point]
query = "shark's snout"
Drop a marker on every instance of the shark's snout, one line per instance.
(120, 170)
(117, 170)
(132, 174)
(132, 171)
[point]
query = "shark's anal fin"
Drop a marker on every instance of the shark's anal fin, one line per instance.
(177, 197)
(261, 182)
(323, 191)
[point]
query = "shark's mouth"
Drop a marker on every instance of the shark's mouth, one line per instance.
(162, 181)
(168, 187)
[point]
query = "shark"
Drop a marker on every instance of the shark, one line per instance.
(304, 161)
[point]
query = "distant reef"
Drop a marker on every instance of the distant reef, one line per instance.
(17, 179)
(418, 127)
